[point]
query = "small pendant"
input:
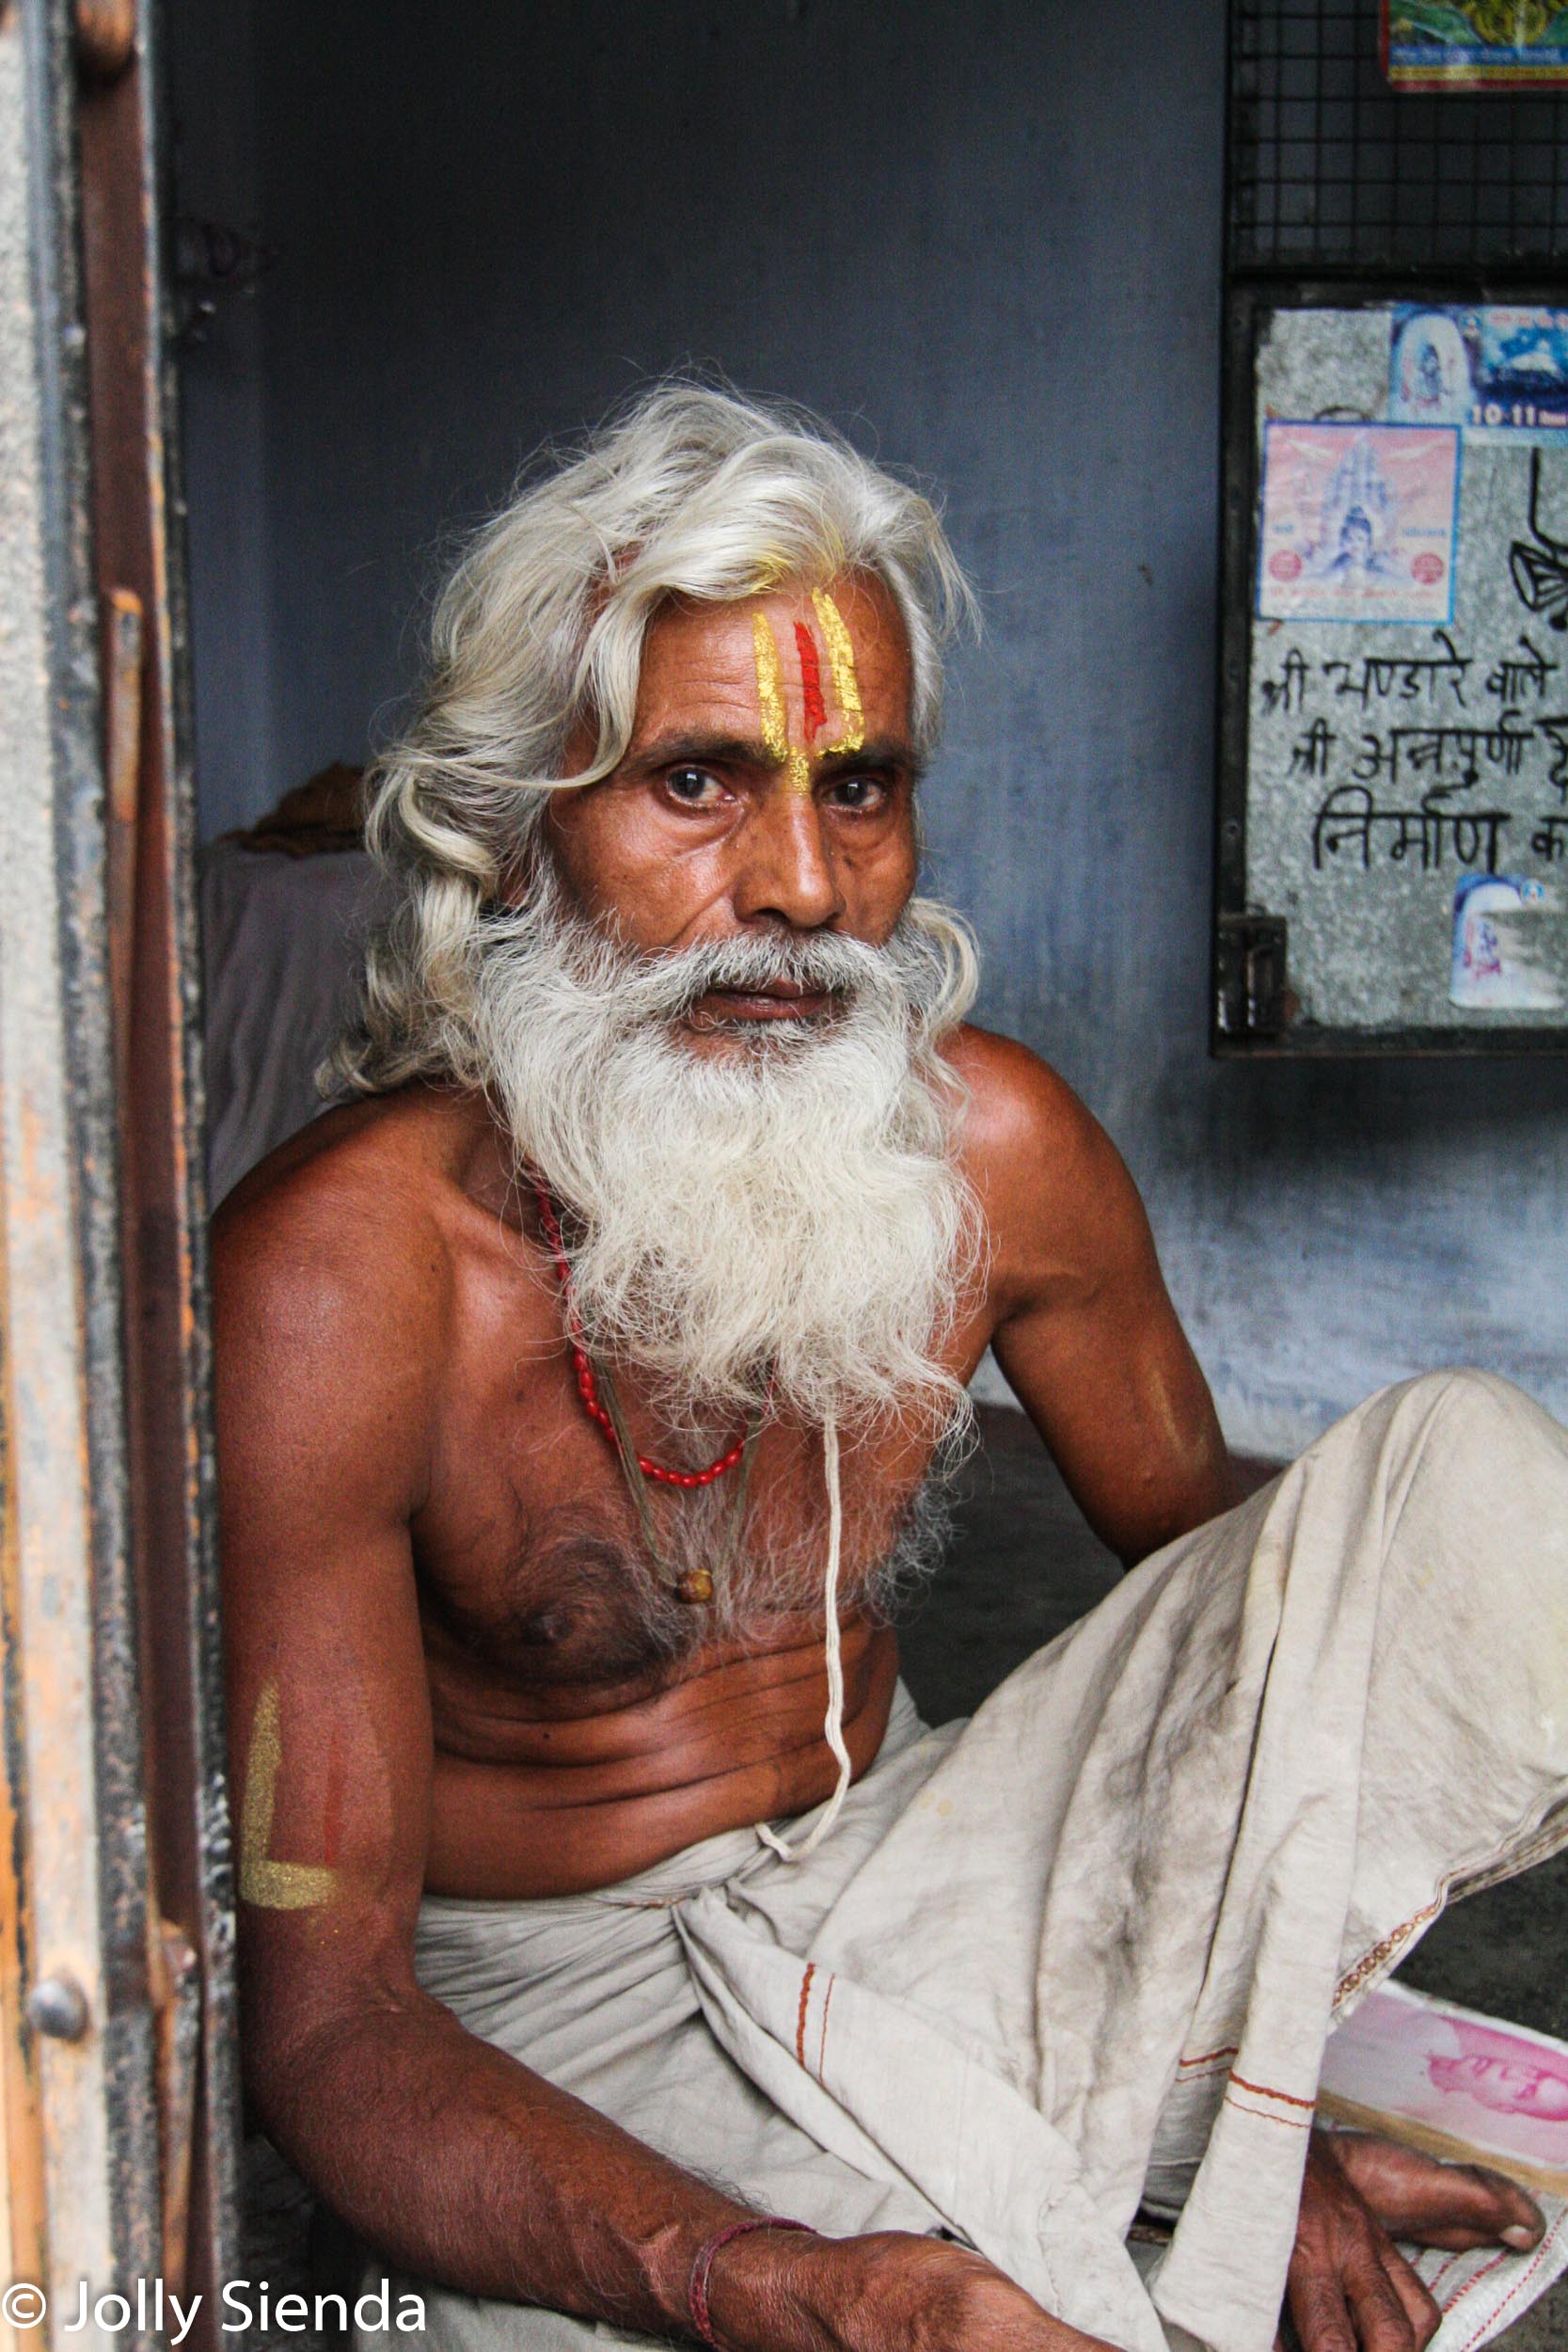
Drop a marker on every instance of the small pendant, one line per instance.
(694, 1585)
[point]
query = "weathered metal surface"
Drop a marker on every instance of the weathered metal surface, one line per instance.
(57, 2006)
(105, 36)
(63, 1424)
(125, 2071)
(124, 637)
(177, 1975)
(136, 527)
(1250, 988)
(23, 2232)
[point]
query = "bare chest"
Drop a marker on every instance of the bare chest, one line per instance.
(547, 1588)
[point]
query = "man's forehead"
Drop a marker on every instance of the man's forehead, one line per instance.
(695, 649)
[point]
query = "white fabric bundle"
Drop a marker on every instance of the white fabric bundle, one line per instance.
(1087, 1949)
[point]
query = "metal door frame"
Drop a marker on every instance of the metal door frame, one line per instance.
(116, 1918)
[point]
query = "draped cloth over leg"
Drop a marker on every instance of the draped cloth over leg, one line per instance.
(1086, 1949)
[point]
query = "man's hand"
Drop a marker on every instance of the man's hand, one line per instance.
(773, 2292)
(1350, 2288)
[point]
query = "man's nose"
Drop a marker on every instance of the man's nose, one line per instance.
(787, 871)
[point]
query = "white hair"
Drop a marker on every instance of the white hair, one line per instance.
(690, 492)
(783, 1229)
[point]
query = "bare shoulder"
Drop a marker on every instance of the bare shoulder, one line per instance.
(1059, 1202)
(333, 1266)
(353, 1198)
(1024, 1126)
(1018, 1105)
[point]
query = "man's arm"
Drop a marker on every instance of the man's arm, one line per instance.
(443, 2152)
(1085, 1331)
(440, 2150)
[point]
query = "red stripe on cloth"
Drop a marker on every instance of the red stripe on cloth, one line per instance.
(1484, 2272)
(801, 2019)
(1264, 2092)
(1267, 2115)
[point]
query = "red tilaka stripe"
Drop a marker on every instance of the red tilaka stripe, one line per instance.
(810, 681)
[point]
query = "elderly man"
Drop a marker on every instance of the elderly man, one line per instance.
(587, 1378)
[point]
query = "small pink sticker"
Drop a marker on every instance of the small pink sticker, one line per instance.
(1426, 567)
(1285, 563)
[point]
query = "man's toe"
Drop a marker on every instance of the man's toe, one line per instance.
(1521, 2222)
(1454, 2206)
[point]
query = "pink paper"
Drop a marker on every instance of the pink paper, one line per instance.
(1498, 2087)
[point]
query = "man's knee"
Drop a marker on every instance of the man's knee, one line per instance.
(1475, 1477)
(1457, 1389)
(1460, 1424)
(1460, 1482)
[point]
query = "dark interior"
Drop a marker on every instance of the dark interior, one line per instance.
(987, 240)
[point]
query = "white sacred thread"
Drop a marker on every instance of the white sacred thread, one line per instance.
(832, 1729)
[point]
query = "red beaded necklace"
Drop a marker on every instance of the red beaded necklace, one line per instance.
(587, 1387)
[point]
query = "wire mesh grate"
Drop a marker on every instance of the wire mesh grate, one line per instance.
(1330, 168)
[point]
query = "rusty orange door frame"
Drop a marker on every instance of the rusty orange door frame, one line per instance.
(116, 1985)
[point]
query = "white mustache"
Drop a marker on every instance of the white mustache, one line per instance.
(819, 964)
(785, 1227)
(632, 992)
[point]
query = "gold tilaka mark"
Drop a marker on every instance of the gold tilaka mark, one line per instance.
(775, 715)
(841, 660)
(273, 1885)
(771, 692)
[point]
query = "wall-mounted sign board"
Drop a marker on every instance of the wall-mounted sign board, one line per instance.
(1393, 824)
(1475, 44)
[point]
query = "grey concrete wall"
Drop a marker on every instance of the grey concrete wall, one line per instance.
(983, 236)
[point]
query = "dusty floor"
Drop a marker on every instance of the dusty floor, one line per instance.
(1023, 1564)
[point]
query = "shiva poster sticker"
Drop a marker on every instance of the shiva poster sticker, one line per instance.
(1357, 522)
(1431, 378)
(1499, 369)
(1510, 946)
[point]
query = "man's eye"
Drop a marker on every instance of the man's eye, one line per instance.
(694, 786)
(860, 793)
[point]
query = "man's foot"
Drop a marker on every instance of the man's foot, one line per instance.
(1451, 2206)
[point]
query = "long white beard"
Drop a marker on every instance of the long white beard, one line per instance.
(780, 1228)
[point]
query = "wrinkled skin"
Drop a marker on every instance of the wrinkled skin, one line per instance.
(1351, 2289)
(425, 1578)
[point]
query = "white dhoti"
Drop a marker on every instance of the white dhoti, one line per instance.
(1083, 1951)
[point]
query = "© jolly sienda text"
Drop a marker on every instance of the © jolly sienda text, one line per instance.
(244, 2303)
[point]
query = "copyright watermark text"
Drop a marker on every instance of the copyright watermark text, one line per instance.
(147, 2304)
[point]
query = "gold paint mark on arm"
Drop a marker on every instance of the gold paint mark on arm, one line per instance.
(841, 660)
(271, 1886)
(775, 716)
